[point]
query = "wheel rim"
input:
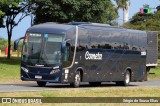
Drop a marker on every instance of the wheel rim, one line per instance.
(127, 78)
(77, 78)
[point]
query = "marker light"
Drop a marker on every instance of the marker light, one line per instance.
(45, 35)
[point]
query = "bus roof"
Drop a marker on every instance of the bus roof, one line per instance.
(50, 28)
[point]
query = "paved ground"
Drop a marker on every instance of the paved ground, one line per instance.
(32, 86)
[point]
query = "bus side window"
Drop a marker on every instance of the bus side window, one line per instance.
(66, 52)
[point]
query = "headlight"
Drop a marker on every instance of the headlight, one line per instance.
(54, 71)
(25, 69)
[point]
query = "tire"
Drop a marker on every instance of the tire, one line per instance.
(126, 81)
(127, 78)
(41, 84)
(77, 80)
(95, 83)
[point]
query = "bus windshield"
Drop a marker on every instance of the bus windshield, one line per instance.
(42, 49)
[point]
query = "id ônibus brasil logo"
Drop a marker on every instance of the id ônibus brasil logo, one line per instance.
(93, 56)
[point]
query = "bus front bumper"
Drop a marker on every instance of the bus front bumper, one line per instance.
(57, 80)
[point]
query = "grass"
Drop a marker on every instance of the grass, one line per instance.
(9, 69)
(92, 92)
(155, 72)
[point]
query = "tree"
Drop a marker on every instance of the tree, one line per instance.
(125, 5)
(1, 15)
(158, 8)
(63, 11)
(149, 22)
(11, 9)
(1, 19)
(3, 43)
(143, 21)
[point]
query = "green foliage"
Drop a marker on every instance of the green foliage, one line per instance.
(10, 9)
(121, 3)
(158, 8)
(1, 22)
(149, 22)
(3, 43)
(1, 16)
(155, 70)
(1, 13)
(102, 11)
(9, 69)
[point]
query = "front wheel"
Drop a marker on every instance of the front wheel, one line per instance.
(77, 80)
(41, 84)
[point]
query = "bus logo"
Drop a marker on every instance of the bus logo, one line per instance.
(91, 56)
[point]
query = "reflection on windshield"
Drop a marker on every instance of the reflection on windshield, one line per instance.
(42, 49)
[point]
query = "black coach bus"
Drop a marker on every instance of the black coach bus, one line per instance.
(86, 52)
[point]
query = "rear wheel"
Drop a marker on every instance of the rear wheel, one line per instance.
(41, 84)
(126, 81)
(127, 78)
(77, 80)
(95, 83)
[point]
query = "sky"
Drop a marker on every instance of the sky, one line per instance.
(135, 6)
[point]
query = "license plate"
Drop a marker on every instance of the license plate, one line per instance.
(38, 77)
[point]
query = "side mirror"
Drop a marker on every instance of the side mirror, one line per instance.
(16, 42)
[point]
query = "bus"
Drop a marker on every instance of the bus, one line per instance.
(78, 52)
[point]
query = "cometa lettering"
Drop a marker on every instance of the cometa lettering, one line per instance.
(90, 56)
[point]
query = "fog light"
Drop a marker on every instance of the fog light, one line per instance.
(54, 71)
